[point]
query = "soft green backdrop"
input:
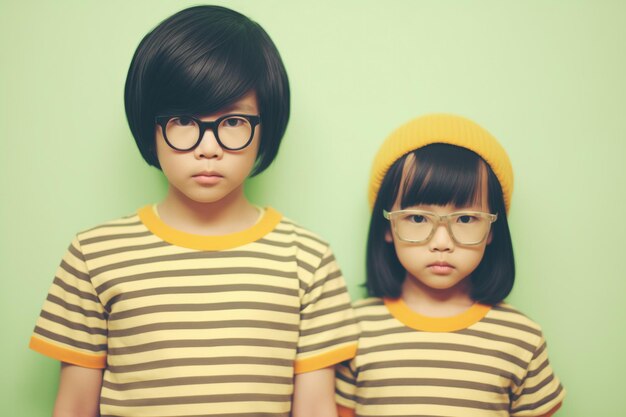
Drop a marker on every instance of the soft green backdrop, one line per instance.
(546, 77)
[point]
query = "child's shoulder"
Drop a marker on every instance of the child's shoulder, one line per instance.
(289, 225)
(369, 307)
(364, 303)
(509, 316)
(116, 227)
(296, 232)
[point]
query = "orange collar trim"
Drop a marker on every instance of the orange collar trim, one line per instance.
(265, 225)
(398, 309)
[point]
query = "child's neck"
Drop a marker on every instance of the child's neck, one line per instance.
(435, 302)
(233, 213)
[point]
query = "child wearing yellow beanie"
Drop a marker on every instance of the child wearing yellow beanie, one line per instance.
(436, 337)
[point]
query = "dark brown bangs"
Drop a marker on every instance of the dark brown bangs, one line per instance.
(441, 174)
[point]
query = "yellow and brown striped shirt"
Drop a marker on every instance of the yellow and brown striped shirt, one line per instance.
(487, 361)
(188, 325)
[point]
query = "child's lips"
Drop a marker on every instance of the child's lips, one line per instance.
(208, 177)
(441, 268)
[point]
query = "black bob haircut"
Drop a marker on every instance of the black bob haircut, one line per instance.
(199, 61)
(440, 174)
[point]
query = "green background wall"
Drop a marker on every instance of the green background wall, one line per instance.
(545, 77)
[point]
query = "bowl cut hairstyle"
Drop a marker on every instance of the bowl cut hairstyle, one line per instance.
(440, 174)
(199, 61)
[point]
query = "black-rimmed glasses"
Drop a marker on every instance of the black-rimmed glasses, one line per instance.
(232, 131)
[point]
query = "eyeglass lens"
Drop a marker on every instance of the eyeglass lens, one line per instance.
(465, 228)
(233, 132)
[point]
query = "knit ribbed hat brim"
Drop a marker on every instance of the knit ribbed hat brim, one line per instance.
(442, 128)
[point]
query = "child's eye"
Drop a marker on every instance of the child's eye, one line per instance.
(466, 218)
(233, 122)
(182, 121)
(417, 218)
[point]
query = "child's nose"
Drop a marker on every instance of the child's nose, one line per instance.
(209, 147)
(441, 240)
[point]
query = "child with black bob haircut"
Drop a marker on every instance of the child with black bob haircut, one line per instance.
(203, 304)
(199, 61)
(436, 337)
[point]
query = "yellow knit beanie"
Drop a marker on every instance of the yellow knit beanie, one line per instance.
(442, 128)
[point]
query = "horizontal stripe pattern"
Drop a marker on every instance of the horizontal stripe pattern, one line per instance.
(198, 362)
(190, 332)
(498, 366)
(238, 414)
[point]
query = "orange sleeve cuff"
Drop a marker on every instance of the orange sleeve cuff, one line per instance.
(324, 360)
(66, 355)
(345, 411)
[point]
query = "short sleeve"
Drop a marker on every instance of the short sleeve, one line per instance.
(540, 391)
(345, 388)
(72, 325)
(328, 329)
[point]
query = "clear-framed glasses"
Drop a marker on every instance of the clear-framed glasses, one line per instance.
(232, 131)
(417, 226)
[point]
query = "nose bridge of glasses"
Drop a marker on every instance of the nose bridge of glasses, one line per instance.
(208, 127)
(439, 223)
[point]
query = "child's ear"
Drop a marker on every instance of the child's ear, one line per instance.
(490, 237)
(389, 236)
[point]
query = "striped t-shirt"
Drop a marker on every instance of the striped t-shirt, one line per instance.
(189, 325)
(487, 361)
